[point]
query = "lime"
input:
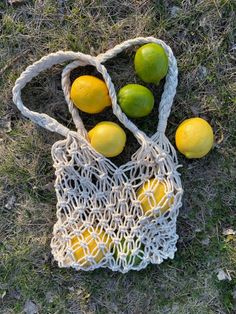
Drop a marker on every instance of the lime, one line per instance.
(151, 63)
(135, 100)
(137, 259)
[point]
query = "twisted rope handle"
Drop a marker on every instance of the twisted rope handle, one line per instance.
(81, 60)
(50, 123)
(32, 71)
(171, 77)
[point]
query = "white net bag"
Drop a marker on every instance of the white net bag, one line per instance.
(122, 217)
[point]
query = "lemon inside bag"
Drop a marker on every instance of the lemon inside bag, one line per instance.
(90, 247)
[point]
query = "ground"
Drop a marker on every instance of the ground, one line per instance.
(201, 36)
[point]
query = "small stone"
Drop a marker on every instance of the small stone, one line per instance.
(16, 2)
(174, 11)
(175, 308)
(223, 276)
(202, 72)
(233, 47)
(49, 186)
(5, 126)
(228, 232)
(195, 110)
(205, 241)
(50, 297)
(203, 22)
(10, 203)
(234, 294)
(15, 294)
(3, 294)
(30, 307)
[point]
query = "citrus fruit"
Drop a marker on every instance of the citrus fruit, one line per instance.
(135, 100)
(92, 249)
(152, 194)
(136, 260)
(194, 137)
(90, 94)
(151, 63)
(108, 138)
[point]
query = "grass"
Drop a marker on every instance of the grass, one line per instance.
(201, 35)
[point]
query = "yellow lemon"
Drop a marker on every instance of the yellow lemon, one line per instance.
(108, 138)
(90, 94)
(152, 194)
(194, 138)
(92, 248)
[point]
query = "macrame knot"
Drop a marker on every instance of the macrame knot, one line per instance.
(83, 244)
(90, 259)
(129, 218)
(101, 245)
(80, 209)
(85, 195)
(100, 195)
(115, 189)
(118, 172)
(122, 256)
(103, 176)
(128, 186)
(156, 210)
(122, 201)
(136, 203)
(86, 167)
(123, 229)
(129, 239)
(110, 207)
(116, 240)
(170, 195)
(95, 210)
(148, 193)
(71, 221)
(66, 238)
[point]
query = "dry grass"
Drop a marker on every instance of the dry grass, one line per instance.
(201, 35)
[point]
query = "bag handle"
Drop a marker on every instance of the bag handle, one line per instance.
(32, 71)
(171, 77)
(81, 60)
(52, 124)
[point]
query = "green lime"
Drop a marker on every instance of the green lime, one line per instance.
(151, 63)
(137, 259)
(135, 100)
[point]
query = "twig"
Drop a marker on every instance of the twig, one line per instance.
(11, 62)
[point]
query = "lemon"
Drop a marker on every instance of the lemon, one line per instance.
(93, 250)
(152, 194)
(194, 137)
(108, 138)
(151, 63)
(135, 100)
(90, 94)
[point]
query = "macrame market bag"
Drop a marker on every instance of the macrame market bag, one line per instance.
(100, 218)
